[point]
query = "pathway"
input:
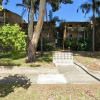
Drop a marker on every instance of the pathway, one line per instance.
(58, 75)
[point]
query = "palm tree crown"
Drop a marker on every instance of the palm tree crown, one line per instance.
(27, 4)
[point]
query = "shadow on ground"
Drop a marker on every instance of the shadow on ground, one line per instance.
(47, 57)
(8, 84)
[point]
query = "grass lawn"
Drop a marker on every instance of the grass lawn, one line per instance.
(50, 92)
(89, 59)
(20, 59)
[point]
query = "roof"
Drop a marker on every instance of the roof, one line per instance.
(10, 11)
(77, 22)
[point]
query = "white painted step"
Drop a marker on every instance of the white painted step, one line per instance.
(51, 79)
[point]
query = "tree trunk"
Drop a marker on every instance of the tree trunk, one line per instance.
(28, 13)
(64, 36)
(93, 36)
(35, 36)
(30, 31)
(41, 44)
(4, 17)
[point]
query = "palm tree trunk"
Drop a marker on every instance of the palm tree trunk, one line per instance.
(93, 36)
(35, 36)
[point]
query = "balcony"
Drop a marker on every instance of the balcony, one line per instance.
(76, 29)
(2, 20)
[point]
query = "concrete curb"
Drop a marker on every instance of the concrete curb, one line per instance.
(27, 70)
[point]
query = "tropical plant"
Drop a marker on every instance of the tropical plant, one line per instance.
(86, 8)
(26, 4)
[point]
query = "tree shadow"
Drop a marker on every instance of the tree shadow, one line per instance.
(8, 84)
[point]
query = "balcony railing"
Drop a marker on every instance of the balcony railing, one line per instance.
(76, 29)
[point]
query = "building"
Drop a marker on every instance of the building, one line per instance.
(48, 31)
(1, 2)
(75, 30)
(7, 16)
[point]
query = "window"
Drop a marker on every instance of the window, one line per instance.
(80, 36)
(69, 35)
(70, 25)
(56, 40)
(48, 35)
(82, 25)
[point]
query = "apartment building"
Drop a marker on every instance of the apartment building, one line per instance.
(6, 16)
(75, 30)
(48, 31)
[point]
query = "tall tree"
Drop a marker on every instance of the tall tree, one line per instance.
(86, 8)
(34, 36)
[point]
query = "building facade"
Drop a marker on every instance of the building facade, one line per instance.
(48, 31)
(75, 30)
(7, 16)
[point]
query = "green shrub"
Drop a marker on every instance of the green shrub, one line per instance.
(12, 38)
(79, 44)
(1, 8)
(46, 47)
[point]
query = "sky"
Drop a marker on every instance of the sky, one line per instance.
(67, 12)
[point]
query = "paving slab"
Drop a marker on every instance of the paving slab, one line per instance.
(51, 79)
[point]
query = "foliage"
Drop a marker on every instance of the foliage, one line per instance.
(26, 4)
(12, 38)
(1, 8)
(90, 5)
(56, 4)
(79, 44)
(46, 47)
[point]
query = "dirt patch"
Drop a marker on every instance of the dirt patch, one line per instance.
(55, 92)
(89, 59)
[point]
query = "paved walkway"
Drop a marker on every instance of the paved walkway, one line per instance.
(59, 75)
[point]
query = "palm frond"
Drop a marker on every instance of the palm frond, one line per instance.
(21, 5)
(86, 7)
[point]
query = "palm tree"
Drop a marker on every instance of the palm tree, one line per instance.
(86, 8)
(27, 4)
